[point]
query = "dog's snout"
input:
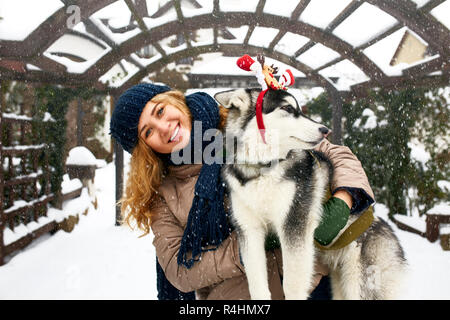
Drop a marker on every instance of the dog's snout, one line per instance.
(324, 130)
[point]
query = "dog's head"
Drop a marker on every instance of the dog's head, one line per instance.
(287, 128)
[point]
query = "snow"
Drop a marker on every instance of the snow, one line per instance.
(442, 13)
(68, 185)
(73, 44)
(120, 73)
(427, 276)
(262, 37)
(99, 260)
(16, 117)
(441, 209)
(382, 52)
(317, 56)
(27, 147)
(188, 12)
(81, 156)
(417, 223)
(238, 5)
(320, 13)
(118, 38)
(48, 117)
(444, 185)
(362, 20)
(347, 72)
(418, 151)
(290, 43)
(204, 37)
(219, 64)
(76, 67)
(273, 7)
(117, 12)
(238, 33)
(32, 67)
(371, 121)
(420, 3)
(12, 17)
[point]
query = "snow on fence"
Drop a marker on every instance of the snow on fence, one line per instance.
(430, 227)
(25, 190)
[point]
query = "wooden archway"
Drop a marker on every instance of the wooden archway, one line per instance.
(16, 55)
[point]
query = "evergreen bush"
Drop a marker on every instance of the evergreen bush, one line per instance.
(380, 130)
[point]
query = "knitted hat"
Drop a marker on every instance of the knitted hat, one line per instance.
(127, 111)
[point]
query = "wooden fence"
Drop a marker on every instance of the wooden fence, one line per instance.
(25, 189)
(432, 233)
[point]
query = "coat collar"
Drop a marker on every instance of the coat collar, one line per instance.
(184, 171)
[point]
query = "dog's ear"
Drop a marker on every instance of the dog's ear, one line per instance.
(224, 97)
(232, 98)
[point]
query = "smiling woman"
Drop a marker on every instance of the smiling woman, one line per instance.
(165, 123)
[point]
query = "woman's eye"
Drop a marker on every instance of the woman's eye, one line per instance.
(147, 132)
(160, 111)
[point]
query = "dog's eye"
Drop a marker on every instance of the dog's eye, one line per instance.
(288, 108)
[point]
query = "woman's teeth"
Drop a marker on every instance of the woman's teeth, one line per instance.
(175, 133)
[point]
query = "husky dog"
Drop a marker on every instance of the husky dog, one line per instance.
(279, 186)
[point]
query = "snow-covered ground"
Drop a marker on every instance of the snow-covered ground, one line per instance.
(98, 260)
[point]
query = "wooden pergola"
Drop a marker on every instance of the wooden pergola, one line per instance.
(17, 56)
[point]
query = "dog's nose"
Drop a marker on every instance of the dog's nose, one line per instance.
(324, 130)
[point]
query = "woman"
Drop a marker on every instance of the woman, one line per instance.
(185, 204)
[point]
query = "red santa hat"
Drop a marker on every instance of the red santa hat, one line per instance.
(245, 62)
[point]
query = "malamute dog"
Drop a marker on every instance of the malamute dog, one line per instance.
(279, 186)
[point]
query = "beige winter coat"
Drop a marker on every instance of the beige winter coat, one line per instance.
(219, 274)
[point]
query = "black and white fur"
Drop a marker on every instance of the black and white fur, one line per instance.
(280, 187)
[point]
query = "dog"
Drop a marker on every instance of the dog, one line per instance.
(279, 186)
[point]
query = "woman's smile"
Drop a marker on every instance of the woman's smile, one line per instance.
(175, 136)
(164, 127)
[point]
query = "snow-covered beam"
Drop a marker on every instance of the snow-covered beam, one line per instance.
(237, 19)
(426, 26)
(49, 30)
(301, 6)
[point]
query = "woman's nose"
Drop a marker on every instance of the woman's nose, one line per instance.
(163, 128)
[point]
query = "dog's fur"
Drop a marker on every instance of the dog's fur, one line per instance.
(280, 187)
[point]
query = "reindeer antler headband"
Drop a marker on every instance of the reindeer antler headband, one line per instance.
(264, 75)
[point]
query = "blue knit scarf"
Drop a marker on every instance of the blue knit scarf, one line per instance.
(207, 224)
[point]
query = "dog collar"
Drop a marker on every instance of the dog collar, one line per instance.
(259, 117)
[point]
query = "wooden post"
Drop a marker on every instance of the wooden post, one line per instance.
(336, 101)
(118, 152)
(2, 217)
(118, 161)
(432, 231)
(80, 115)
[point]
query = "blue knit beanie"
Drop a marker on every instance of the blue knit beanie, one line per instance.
(127, 111)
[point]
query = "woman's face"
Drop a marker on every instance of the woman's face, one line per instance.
(164, 128)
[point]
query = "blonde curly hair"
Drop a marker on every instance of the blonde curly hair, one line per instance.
(146, 171)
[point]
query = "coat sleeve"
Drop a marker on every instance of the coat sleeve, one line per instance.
(348, 174)
(214, 266)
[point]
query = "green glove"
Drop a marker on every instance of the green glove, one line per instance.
(334, 218)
